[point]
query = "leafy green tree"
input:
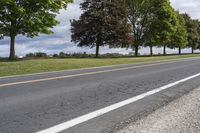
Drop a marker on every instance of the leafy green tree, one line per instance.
(179, 38)
(193, 29)
(198, 30)
(165, 24)
(102, 23)
(28, 17)
(141, 17)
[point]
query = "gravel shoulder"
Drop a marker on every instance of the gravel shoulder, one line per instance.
(179, 116)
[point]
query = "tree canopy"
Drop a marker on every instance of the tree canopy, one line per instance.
(141, 17)
(165, 24)
(28, 17)
(154, 22)
(102, 23)
(179, 38)
(193, 30)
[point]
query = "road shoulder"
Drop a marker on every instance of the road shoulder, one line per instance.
(181, 115)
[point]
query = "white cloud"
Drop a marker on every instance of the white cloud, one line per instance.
(191, 7)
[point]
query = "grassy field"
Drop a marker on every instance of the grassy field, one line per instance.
(44, 65)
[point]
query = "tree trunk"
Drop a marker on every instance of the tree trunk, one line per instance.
(12, 47)
(136, 50)
(179, 50)
(164, 50)
(97, 50)
(151, 50)
(192, 50)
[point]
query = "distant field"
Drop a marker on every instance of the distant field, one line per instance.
(44, 65)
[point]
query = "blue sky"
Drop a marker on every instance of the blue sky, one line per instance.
(61, 41)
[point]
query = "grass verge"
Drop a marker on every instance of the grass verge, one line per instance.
(8, 68)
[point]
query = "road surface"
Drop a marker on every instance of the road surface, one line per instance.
(46, 102)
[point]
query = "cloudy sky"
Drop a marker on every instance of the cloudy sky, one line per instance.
(61, 41)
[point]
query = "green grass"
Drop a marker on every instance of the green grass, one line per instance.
(44, 65)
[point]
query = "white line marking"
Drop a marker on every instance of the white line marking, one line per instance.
(84, 118)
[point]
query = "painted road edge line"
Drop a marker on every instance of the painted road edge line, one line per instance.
(66, 125)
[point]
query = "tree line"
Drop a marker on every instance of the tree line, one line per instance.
(75, 55)
(114, 23)
(134, 24)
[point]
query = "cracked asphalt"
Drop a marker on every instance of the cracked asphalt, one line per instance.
(31, 107)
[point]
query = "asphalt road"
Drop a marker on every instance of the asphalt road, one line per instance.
(33, 103)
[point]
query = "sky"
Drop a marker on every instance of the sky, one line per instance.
(61, 39)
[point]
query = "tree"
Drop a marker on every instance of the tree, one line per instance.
(102, 23)
(1, 36)
(193, 29)
(198, 30)
(141, 17)
(179, 38)
(28, 17)
(164, 24)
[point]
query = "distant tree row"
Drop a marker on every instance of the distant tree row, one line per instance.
(134, 24)
(37, 54)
